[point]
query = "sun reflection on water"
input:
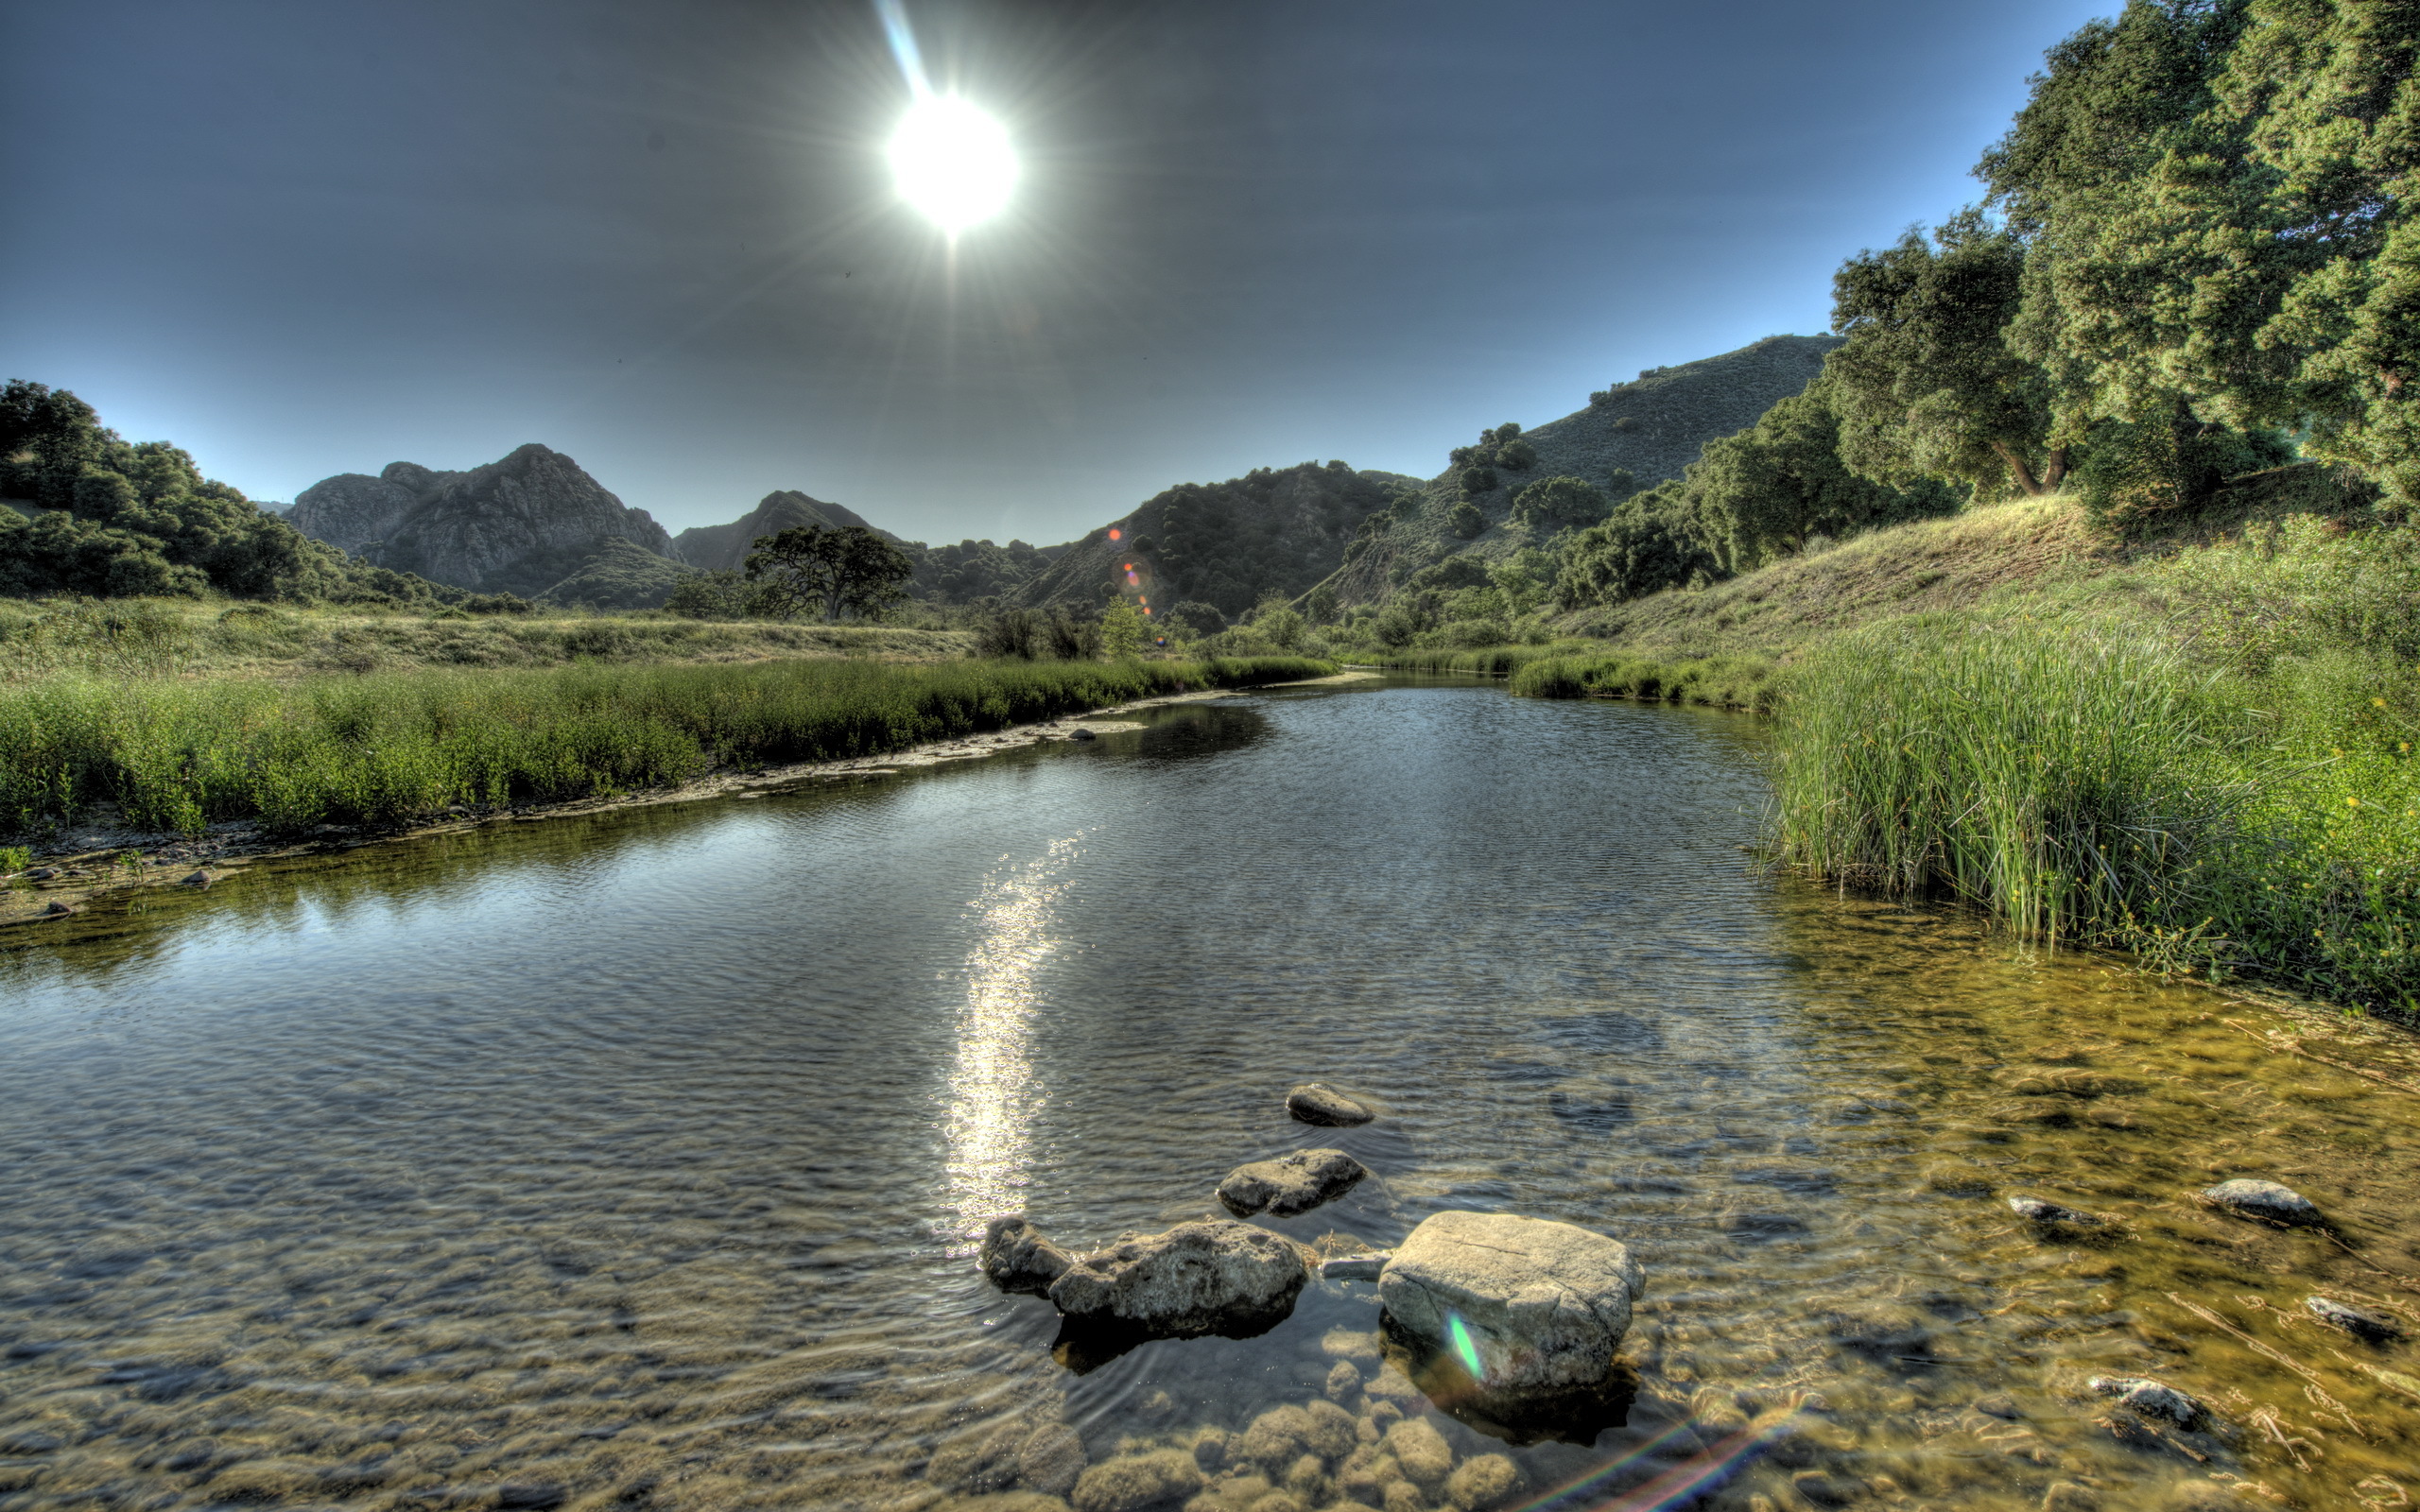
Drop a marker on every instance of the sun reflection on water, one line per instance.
(991, 1091)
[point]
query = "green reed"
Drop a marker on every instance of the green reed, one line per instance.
(1717, 682)
(2095, 784)
(384, 749)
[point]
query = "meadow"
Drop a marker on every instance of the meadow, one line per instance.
(382, 748)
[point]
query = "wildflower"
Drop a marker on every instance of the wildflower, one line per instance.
(2352, 802)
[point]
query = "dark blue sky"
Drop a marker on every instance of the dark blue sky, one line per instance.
(311, 237)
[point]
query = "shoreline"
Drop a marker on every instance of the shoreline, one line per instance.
(93, 859)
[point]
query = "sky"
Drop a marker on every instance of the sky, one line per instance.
(307, 238)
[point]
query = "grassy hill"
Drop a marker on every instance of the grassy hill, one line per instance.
(1631, 436)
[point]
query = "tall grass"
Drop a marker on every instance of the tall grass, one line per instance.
(1717, 682)
(2095, 783)
(384, 749)
(1485, 661)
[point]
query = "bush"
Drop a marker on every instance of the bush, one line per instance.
(1477, 478)
(1465, 521)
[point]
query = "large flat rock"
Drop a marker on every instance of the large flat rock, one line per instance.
(1291, 1184)
(1535, 1305)
(1198, 1277)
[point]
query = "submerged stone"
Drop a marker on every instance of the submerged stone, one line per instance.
(2376, 1328)
(2264, 1199)
(2152, 1398)
(1291, 1184)
(1363, 1267)
(1526, 1305)
(2034, 1210)
(1133, 1482)
(1317, 1103)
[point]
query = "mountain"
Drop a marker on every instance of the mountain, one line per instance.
(519, 525)
(719, 547)
(618, 576)
(1224, 545)
(1631, 436)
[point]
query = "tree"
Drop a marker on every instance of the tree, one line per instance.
(1121, 628)
(1464, 520)
(1551, 505)
(1926, 386)
(1644, 547)
(1765, 491)
(1524, 579)
(847, 570)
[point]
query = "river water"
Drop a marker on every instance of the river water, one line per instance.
(633, 1161)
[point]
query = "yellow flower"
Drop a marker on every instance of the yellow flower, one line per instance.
(2380, 702)
(2352, 802)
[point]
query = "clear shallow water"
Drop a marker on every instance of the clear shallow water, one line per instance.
(633, 1161)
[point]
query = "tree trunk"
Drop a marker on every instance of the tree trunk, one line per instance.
(2024, 478)
(2056, 473)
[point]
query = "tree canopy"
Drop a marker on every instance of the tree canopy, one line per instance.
(850, 571)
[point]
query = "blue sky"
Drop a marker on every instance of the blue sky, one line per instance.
(301, 239)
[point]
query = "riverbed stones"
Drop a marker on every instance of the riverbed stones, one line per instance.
(1367, 1266)
(1291, 1184)
(1343, 1383)
(1051, 1459)
(1483, 1483)
(1420, 1450)
(1017, 1257)
(1133, 1482)
(2373, 1328)
(2034, 1210)
(2152, 1398)
(1542, 1305)
(2266, 1201)
(1317, 1103)
(1209, 1277)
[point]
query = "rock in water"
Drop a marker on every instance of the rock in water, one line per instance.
(1316, 1102)
(2152, 1398)
(1291, 1184)
(2264, 1199)
(1363, 1267)
(1133, 1482)
(2376, 1328)
(1541, 1306)
(1019, 1259)
(1197, 1277)
(2034, 1210)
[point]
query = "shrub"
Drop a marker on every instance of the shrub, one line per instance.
(1465, 521)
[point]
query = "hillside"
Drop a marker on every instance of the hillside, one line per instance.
(1631, 436)
(717, 548)
(1220, 544)
(519, 525)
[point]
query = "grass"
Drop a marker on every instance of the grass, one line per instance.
(186, 639)
(384, 749)
(2105, 782)
(1586, 669)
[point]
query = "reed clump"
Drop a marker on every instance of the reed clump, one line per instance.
(2097, 782)
(384, 749)
(1715, 682)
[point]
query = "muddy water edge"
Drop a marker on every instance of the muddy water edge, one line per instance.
(634, 1160)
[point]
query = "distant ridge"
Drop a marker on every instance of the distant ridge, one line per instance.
(719, 548)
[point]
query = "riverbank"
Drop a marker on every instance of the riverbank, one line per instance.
(2201, 753)
(179, 778)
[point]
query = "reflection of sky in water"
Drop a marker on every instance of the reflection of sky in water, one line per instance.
(992, 1102)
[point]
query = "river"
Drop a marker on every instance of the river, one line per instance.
(635, 1160)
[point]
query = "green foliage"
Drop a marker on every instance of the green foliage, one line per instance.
(1552, 504)
(1040, 635)
(2090, 783)
(1926, 386)
(2136, 476)
(620, 575)
(723, 594)
(390, 748)
(1763, 492)
(1720, 681)
(849, 571)
(1477, 478)
(1651, 542)
(1122, 628)
(1464, 520)
(13, 859)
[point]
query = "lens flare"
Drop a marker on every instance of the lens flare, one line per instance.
(1465, 1348)
(953, 162)
(1116, 535)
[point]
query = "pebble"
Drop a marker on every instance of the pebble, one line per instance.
(2267, 1200)
(2034, 1210)
(2376, 1328)
(2151, 1398)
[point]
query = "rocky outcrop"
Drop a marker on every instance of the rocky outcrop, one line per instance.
(719, 547)
(2265, 1201)
(352, 509)
(1320, 1104)
(1291, 1184)
(520, 524)
(1212, 1277)
(1527, 1304)
(1019, 1259)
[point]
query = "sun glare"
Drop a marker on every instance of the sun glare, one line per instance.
(953, 162)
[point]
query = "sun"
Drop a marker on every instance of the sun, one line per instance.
(953, 162)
